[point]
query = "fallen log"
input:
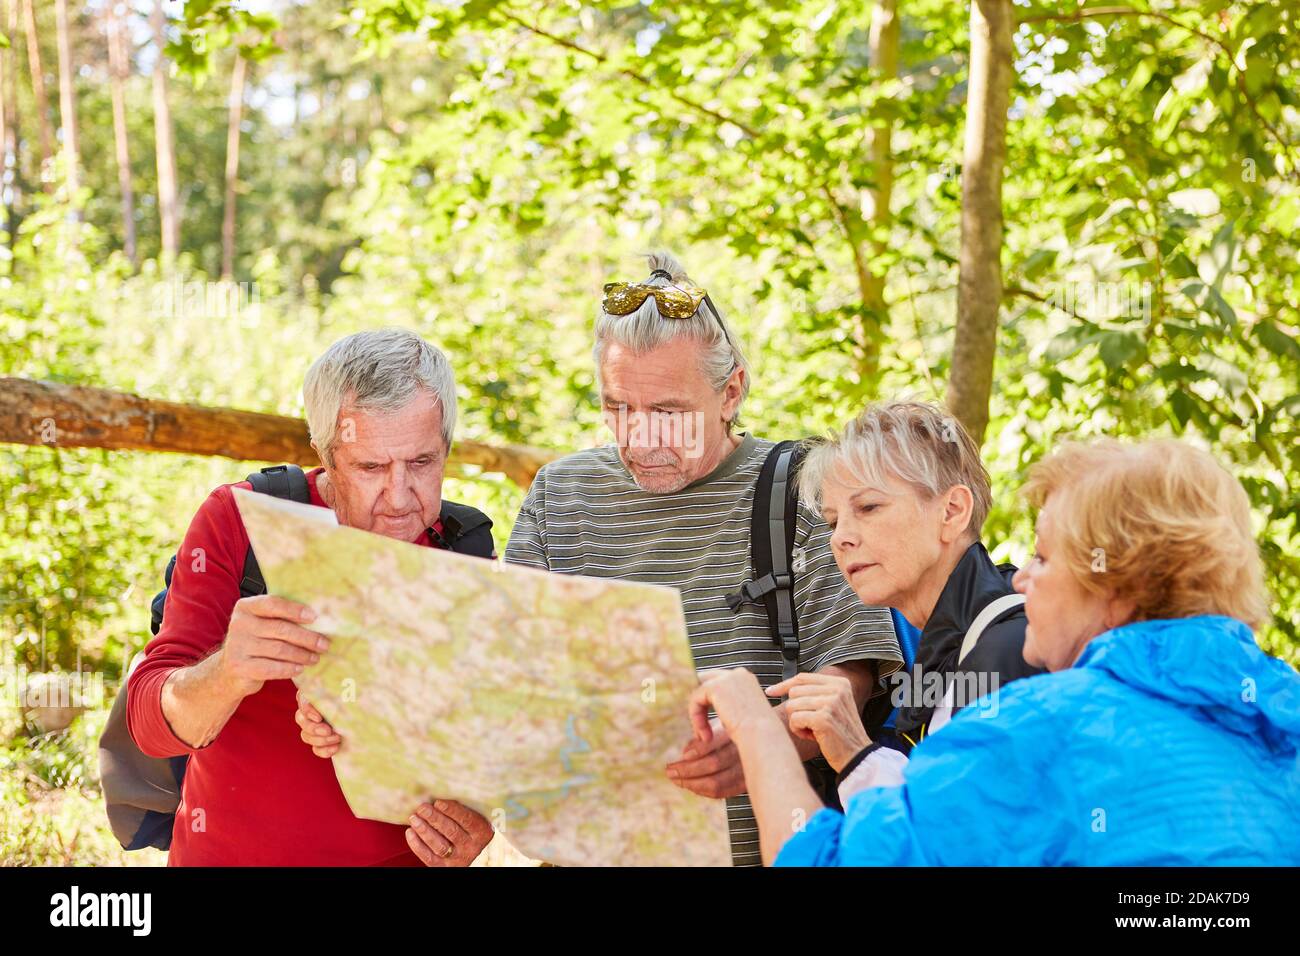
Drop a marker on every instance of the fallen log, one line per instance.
(77, 416)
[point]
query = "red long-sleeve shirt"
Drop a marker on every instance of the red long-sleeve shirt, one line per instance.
(256, 795)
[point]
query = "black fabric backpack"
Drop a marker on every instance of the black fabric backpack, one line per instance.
(141, 793)
(771, 551)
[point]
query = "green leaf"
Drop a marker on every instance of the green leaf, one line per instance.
(1218, 306)
(1211, 302)
(1182, 406)
(1258, 73)
(1181, 266)
(1142, 74)
(1071, 341)
(1117, 349)
(1277, 341)
(1038, 262)
(1231, 379)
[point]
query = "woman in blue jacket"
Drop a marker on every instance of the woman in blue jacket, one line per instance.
(1164, 734)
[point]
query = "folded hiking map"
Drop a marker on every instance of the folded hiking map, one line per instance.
(548, 703)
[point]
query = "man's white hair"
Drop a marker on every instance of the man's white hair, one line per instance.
(645, 329)
(381, 370)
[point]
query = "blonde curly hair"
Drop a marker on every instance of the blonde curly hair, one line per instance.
(1160, 523)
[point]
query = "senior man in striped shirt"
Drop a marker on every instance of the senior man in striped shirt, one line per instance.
(670, 502)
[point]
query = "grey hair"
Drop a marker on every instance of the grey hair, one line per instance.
(644, 330)
(915, 442)
(380, 370)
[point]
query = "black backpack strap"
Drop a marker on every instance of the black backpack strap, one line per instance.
(465, 530)
(160, 599)
(772, 531)
(282, 481)
(772, 534)
(278, 481)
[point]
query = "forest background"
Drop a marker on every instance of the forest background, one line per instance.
(1062, 220)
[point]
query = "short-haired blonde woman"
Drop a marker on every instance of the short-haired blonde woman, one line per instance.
(905, 494)
(1164, 735)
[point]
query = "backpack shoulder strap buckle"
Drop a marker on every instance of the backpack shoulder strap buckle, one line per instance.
(789, 655)
(753, 591)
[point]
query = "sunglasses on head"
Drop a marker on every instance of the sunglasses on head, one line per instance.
(677, 301)
(681, 300)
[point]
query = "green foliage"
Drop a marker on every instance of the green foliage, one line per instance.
(51, 810)
(211, 25)
(1182, 206)
(1150, 204)
(475, 171)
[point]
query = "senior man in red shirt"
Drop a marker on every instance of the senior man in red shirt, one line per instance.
(216, 682)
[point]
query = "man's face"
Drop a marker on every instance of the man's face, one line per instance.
(388, 468)
(668, 423)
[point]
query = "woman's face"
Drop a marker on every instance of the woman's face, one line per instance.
(883, 539)
(1063, 615)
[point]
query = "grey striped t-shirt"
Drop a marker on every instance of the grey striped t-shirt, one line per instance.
(585, 515)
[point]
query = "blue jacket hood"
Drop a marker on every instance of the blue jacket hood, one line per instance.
(1208, 662)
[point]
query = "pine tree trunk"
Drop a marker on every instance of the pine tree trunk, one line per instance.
(119, 68)
(165, 149)
(67, 100)
(232, 168)
(9, 146)
(39, 95)
(5, 119)
(979, 288)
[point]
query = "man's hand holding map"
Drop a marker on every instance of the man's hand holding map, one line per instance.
(548, 703)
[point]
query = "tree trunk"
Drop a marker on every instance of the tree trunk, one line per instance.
(9, 145)
(67, 100)
(119, 68)
(979, 287)
(883, 50)
(232, 168)
(168, 205)
(38, 94)
(5, 119)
